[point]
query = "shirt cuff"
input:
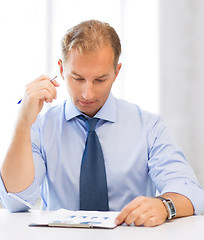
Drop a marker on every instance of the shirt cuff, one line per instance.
(190, 190)
(22, 201)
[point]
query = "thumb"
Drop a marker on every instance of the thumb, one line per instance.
(56, 83)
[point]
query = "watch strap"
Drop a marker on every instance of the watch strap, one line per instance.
(169, 207)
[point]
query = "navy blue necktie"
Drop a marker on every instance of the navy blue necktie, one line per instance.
(93, 184)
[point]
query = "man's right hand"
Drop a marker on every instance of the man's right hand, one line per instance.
(37, 92)
(18, 169)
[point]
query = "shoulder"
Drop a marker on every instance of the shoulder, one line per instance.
(50, 117)
(134, 112)
(53, 111)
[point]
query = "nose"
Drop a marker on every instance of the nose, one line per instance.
(88, 91)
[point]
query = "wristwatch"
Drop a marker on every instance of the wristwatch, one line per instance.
(168, 203)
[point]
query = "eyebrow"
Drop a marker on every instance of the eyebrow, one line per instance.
(102, 76)
(74, 73)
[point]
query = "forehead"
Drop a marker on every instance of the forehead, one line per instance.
(99, 60)
(104, 52)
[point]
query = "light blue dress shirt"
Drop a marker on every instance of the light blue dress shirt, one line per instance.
(139, 152)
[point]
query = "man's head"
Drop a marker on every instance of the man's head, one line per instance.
(89, 65)
(90, 36)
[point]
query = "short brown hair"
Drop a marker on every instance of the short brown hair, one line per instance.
(90, 36)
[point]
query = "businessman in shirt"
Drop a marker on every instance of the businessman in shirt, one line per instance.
(139, 153)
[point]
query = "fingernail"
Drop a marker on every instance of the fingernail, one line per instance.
(117, 222)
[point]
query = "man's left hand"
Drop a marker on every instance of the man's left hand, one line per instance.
(146, 211)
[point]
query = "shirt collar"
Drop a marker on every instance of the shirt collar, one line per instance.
(107, 112)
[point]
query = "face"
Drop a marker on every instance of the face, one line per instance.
(89, 78)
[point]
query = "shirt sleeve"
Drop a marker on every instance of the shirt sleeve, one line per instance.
(168, 167)
(19, 202)
(23, 201)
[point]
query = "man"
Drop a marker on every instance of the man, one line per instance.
(139, 153)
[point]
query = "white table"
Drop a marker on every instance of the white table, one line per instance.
(14, 226)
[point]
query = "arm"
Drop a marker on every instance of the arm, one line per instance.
(18, 168)
(151, 212)
(172, 177)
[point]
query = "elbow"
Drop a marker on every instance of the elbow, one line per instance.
(15, 209)
(14, 206)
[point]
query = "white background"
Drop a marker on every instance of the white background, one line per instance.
(30, 34)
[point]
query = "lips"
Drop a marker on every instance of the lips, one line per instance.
(86, 103)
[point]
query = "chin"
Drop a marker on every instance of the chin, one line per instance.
(88, 110)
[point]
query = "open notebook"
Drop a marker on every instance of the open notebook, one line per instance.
(80, 219)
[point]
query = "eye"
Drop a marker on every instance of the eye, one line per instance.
(78, 79)
(100, 80)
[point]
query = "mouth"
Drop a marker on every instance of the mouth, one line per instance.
(86, 103)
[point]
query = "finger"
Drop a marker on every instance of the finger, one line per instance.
(123, 214)
(127, 210)
(45, 77)
(154, 219)
(55, 83)
(142, 218)
(133, 216)
(39, 86)
(42, 78)
(138, 215)
(41, 95)
(52, 89)
(152, 222)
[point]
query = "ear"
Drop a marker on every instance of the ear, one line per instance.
(117, 70)
(60, 64)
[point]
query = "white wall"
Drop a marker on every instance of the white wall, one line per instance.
(29, 46)
(182, 76)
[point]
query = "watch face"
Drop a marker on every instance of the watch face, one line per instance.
(172, 210)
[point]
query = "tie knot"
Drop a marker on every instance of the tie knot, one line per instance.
(90, 123)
